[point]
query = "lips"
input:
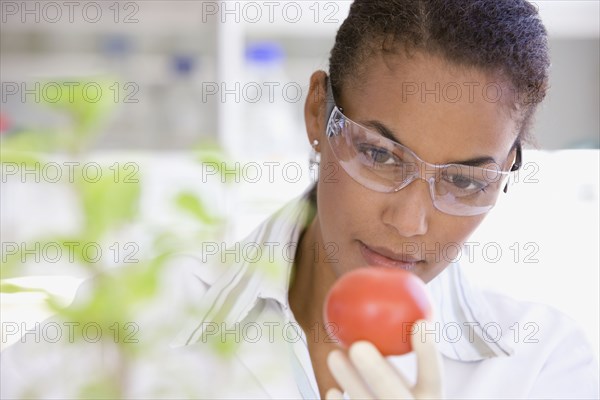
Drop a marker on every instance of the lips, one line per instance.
(381, 257)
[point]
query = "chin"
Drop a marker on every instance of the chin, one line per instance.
(429, 274)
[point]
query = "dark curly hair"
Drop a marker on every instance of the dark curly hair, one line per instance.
(502, 37)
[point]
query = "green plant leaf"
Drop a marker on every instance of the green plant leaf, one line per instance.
(18, 146)
(10, 288)
(193, 205)
(108, 199)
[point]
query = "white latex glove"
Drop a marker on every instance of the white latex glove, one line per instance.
(366, 374)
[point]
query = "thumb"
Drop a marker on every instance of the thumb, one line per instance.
(429, 361)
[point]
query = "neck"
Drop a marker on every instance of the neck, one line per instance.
(311, 278)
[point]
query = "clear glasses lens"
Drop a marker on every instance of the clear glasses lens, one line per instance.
(385, 166)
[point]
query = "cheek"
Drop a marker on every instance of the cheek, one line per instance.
(334, 200)
(453, 232)
(448, 234)
(342, 203)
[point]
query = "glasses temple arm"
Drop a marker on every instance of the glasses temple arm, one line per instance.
(329, 100)
(517, 163)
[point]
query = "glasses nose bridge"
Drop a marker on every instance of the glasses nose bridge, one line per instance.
(421, 170)
(417, 169)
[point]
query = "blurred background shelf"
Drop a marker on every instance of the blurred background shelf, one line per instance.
(142, 41)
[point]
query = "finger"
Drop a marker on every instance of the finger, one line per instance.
(347, 377)
(334, 394)
(383, 379)
(429, 362)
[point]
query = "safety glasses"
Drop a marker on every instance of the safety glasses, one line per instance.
(383, 165)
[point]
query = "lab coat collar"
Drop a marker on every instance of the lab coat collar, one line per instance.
(467, 328)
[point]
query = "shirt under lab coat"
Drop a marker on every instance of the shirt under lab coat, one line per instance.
(241, 339)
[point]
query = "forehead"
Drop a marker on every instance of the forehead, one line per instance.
(441, 110)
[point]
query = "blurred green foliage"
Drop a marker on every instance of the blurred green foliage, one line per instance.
(86, 110)
(107, 202)
(105, 205)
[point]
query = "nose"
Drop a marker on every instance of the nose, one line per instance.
(407, 211)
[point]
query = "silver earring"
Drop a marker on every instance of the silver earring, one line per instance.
(315, 156)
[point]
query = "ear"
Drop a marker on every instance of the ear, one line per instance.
(315, 106)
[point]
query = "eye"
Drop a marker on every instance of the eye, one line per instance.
(465, 183)
(378, 155)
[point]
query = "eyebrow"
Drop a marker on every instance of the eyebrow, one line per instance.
(387, 133)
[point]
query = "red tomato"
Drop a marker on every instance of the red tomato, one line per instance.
(379, 305)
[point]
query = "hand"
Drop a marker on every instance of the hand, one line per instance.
(366, 374)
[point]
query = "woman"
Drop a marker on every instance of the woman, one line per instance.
(445, 82)
(416, 128)
(388, 67)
